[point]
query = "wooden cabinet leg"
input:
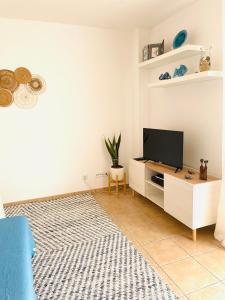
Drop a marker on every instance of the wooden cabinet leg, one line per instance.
(124, 183)
(133, 193)
(194, 234)
(117, 188)
(109, 183)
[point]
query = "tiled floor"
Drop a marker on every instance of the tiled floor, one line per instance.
(194, 270)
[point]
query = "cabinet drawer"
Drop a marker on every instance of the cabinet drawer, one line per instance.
(178, 200)
(137, 176)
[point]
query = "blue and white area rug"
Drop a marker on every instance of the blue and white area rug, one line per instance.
(82, 255)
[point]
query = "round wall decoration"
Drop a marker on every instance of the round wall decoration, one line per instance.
(6, 97)
(23, 98)
(37, 85)
(8, 80)
(23, 75)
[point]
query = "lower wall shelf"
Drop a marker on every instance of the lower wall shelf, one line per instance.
(190, 78)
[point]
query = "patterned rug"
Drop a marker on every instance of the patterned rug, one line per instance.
(82, 255)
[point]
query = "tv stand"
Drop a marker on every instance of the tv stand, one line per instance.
(193, 202)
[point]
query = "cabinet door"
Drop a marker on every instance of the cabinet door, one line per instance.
(206, 201)
(137, 176)
(178, 199)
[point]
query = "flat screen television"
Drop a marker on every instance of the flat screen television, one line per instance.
(163, 146)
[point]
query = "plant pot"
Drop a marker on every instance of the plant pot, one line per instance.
(119, 171)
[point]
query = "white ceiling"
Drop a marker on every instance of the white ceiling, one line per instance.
(118, 14)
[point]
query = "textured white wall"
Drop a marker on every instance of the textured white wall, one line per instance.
(195, 109)
(46, 150)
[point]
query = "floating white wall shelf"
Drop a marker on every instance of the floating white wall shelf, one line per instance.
(191, 78)
(172, 56)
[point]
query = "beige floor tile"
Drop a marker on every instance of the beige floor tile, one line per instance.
(214, 262)
(171, 230)
(132, 219)
(168, 220)
(146, 233)
(205, 242)
(168, 281)
(213, 292)
(189, 275)
(165, 251)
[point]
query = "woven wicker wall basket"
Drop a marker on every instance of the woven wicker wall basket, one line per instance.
(6, 97)
(24, 99)
(8, 80)
(37, 85)
(23, 75)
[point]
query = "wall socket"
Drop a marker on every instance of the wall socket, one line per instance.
(101, 174)
(84, 177)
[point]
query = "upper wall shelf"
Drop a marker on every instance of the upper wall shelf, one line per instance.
(172, 56)
(190, 78)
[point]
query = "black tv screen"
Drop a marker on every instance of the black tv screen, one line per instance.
(164, 146)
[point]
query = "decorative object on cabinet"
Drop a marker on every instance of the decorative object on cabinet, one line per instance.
(145, 53)
(188, 176)
(6, 97)
(37, 85)
(191, 172)
(116, 170)
(8, 80)
(165, 76)
(156, 49)
(180, 39)
(181, 71)
(23, 75)
(203, 169)
(23, 98)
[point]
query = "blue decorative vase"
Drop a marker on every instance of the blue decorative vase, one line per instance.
(179, 39)
(181, 71)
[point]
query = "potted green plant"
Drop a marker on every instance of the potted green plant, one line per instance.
(116, 170)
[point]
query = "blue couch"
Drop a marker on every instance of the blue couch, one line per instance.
(17, 248)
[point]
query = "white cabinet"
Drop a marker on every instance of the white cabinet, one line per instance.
(192, 202)
(137, 176)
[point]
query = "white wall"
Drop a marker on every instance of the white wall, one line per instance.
(46, 150)
(195, 109)
(94, 89)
